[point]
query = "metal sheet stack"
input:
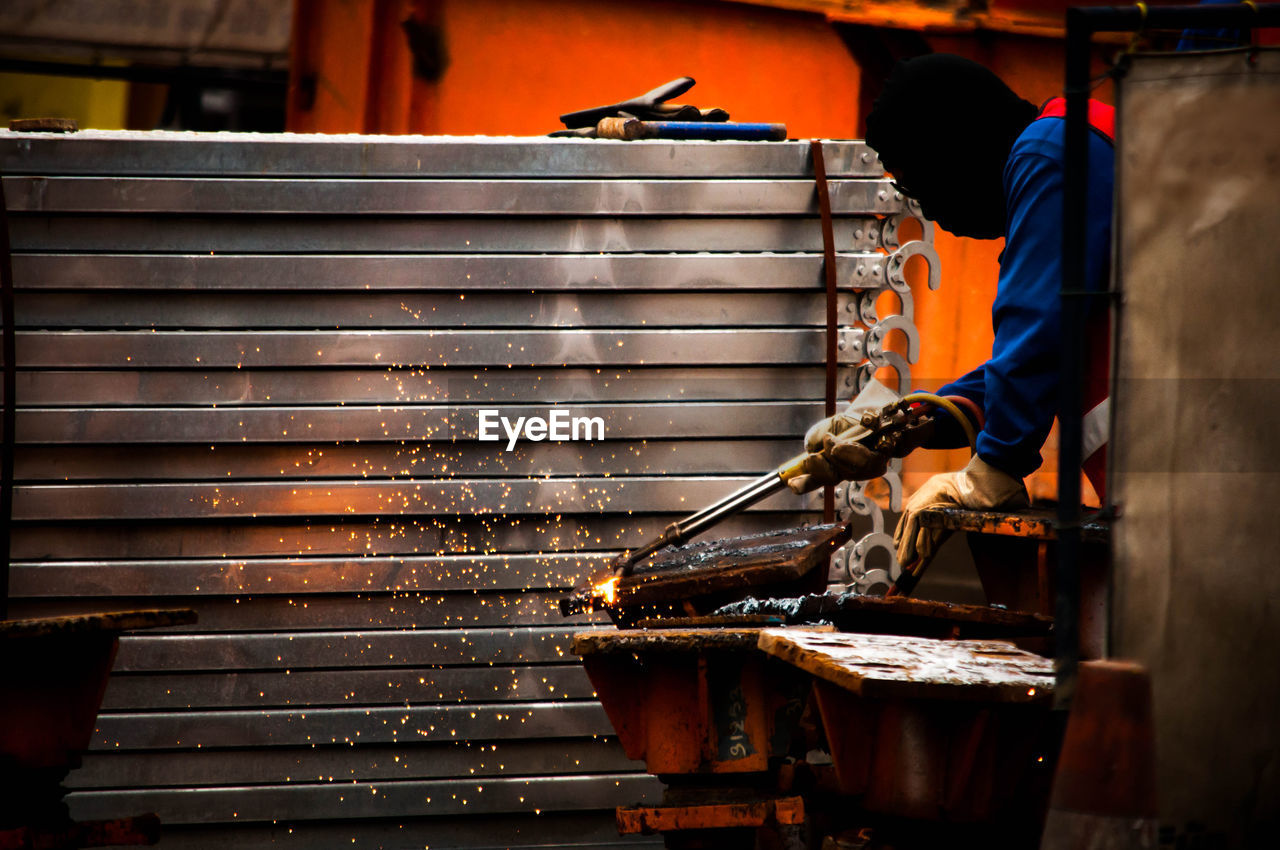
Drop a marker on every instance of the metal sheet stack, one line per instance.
(250, 376)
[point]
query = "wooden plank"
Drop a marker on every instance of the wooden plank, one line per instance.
(898, 667)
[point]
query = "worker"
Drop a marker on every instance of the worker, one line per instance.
(984, 163)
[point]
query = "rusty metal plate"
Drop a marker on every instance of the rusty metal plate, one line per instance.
(1035, 523)
(897, 667)
(119, 621)
(663, 640)
(898, 615)
(629, 641)
(717, 566)
(649, 819)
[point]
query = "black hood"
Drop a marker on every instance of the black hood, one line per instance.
(944, 126)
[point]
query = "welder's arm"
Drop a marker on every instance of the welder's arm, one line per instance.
(969, 394)
(1019, 383)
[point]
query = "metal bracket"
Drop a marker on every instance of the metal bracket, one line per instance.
(868, 272)
(878, 332)
(865, 579)
(851, 346)
(851, 496)
(855, 380)
(864, 304)
(895, 361)
(897, 265)
(889, 229)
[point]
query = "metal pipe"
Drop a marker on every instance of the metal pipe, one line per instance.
(699, 521)
(1081, 24)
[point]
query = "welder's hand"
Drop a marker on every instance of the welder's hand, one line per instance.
(847, 423)
(979, 486)
(838, 460)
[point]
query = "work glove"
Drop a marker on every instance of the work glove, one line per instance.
(838, 460)
(979, 486)
(831, 461)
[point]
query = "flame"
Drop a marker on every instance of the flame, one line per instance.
(607, 590)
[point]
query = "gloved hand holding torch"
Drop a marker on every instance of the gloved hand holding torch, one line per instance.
(858, 443)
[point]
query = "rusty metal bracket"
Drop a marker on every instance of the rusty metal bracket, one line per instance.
(646, 820)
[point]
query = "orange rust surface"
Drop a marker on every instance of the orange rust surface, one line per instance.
(658, 712)
(687, 700)
(1107, 766)
(958, 761)
(650, 819)
(1035, 523)
(898, 667)
(604, 641)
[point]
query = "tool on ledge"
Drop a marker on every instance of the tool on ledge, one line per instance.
(649, 116)
(630, 129)
(650, 106)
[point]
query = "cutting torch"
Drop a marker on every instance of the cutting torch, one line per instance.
(888, 430)
(883, 430)
(679, 532)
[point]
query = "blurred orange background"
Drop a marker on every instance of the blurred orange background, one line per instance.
(510, 67)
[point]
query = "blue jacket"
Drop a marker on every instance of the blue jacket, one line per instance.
(1017, 389)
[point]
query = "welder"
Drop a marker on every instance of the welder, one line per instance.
(985, 163)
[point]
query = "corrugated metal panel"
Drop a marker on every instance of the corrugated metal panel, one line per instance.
(251, 370)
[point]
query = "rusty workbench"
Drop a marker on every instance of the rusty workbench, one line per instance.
(53, 674)
(1015, 558)
(943, 732)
